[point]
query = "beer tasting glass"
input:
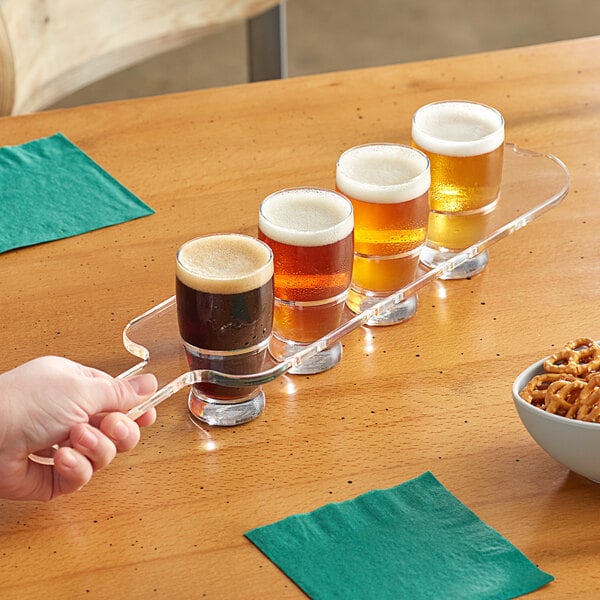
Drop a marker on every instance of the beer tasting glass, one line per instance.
(224, 292)
(465, 145)
(388, 185)
(310, 232)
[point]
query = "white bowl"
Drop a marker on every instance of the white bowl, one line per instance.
(575, 444)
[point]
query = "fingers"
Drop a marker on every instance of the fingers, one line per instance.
(92, 449)
(147, 419)
(124, 432)
(72, 471)
(93, 445)
(113, 433)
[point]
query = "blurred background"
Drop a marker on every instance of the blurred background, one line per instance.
(331, 35)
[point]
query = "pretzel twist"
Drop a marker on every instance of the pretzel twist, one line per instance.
(562, 398)
(535, 391)
(570, 385)
(574, 362)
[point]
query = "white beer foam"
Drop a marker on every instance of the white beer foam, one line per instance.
(224, 264)
(306, 217)
(458, 128)
(383, 173)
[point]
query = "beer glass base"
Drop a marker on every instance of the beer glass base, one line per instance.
(360, 302)
(324, 360)
(210, 411)
(433, 258)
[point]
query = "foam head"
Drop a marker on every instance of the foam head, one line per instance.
(383, 173)
(458, 128)
(306, 217)
(224, 263)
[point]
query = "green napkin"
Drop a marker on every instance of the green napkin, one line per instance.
(415, 540)
(50, 189)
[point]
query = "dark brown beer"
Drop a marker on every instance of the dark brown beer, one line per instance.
(224, 321)
(224, 291)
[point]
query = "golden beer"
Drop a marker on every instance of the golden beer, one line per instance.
(310, 232)
(388, 186)
(465, 145)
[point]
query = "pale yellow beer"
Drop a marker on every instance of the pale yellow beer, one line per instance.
(388, 186)
(464, 142)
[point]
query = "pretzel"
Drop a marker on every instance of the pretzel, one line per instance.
(593, 369)
(535, 391)
(581, 344)
(570, 384)
(561, 362)
(592, 383)
(575, 362)
(563, 398)
(590, 411)
(589, 400)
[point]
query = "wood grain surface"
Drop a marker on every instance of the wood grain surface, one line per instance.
(167, 519)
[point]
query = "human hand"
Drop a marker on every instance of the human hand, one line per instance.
(52, 400)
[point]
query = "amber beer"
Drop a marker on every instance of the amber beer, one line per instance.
(310, 233)
(388, 185)
(224, 290)
(464, 142)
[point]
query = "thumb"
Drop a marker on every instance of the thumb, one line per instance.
(122, 394)
(143, 385)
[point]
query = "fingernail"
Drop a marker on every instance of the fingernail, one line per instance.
(120, 431)
(143, 385)
(68, 459)
(88, 439)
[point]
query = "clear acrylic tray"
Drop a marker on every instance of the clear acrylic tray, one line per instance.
(532, 184)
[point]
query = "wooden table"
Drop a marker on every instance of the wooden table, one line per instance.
(167, 519)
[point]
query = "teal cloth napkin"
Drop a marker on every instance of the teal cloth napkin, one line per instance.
(415, 540)
(50, 189)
